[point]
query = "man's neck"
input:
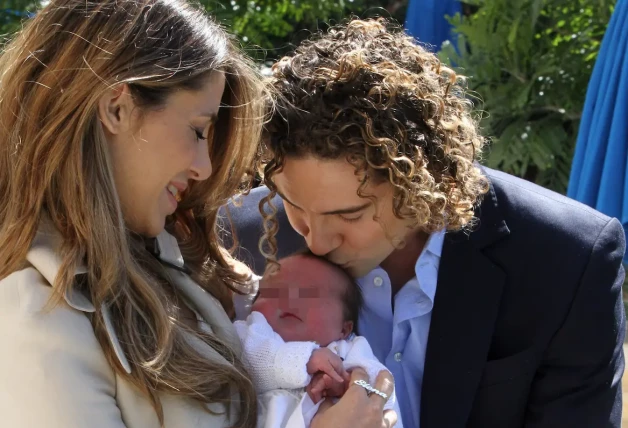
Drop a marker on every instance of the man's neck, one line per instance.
(399, 265)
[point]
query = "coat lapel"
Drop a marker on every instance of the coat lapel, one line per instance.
(44, 256)
(465, 309)
(206, 305)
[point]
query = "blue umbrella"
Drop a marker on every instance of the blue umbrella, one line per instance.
(599, 171)
(425, 20)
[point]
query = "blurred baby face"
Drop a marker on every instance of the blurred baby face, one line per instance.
(302, 301)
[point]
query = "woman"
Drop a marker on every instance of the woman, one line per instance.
(121, 120)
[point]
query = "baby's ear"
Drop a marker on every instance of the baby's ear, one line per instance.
(347, 329)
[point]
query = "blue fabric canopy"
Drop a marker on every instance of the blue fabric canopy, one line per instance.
(599, 173)
(425, 20)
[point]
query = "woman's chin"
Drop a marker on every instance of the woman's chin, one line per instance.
(155, 228)
(150, 228)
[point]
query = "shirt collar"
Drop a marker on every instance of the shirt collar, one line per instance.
(435, 242)
(430, 259)
(426, 268)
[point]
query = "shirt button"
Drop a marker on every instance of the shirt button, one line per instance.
(378, 281)
(398, 356)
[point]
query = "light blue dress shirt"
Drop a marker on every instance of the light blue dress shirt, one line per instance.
(399, 337)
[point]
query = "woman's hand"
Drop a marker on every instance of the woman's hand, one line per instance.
(356, 408)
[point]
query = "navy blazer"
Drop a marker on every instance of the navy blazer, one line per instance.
(528, 321)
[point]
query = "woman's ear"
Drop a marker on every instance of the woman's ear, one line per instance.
(115, 108)
(347, 329)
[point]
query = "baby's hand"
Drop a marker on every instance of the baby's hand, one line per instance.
(328, 370)
(323, 386)
(324, 360)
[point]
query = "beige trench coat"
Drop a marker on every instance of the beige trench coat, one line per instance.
(53, 372)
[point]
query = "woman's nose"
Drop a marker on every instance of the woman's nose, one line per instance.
(201, 169)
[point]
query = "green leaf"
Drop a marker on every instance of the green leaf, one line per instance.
(512, 35)
(530, 62)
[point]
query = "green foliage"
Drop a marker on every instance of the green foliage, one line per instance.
(266, 23)
(268, 28)
(529, 61)
(12, 13)
(273, 27)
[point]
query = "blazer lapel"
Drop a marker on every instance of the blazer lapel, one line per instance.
(465, 309)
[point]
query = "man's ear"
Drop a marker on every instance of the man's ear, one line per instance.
(115, 108)
(347, 329)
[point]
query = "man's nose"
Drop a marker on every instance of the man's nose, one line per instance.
(320, 241)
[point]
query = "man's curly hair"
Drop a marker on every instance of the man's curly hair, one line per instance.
(367, 92)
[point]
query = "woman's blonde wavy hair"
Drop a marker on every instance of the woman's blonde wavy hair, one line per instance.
(367, 92)
(54, 163)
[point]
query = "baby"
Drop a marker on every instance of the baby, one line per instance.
(300, 335)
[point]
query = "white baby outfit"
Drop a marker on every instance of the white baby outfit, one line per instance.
(278, 371)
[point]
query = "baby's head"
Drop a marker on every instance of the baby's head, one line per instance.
(309, 299)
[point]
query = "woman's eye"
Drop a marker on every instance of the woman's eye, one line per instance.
(199, 135)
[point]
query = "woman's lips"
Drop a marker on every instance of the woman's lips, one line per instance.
(173, 200)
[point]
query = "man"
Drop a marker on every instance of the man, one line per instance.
(494, 302)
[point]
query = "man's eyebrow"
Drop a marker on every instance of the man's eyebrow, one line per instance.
(282, 196)
(349, 210)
